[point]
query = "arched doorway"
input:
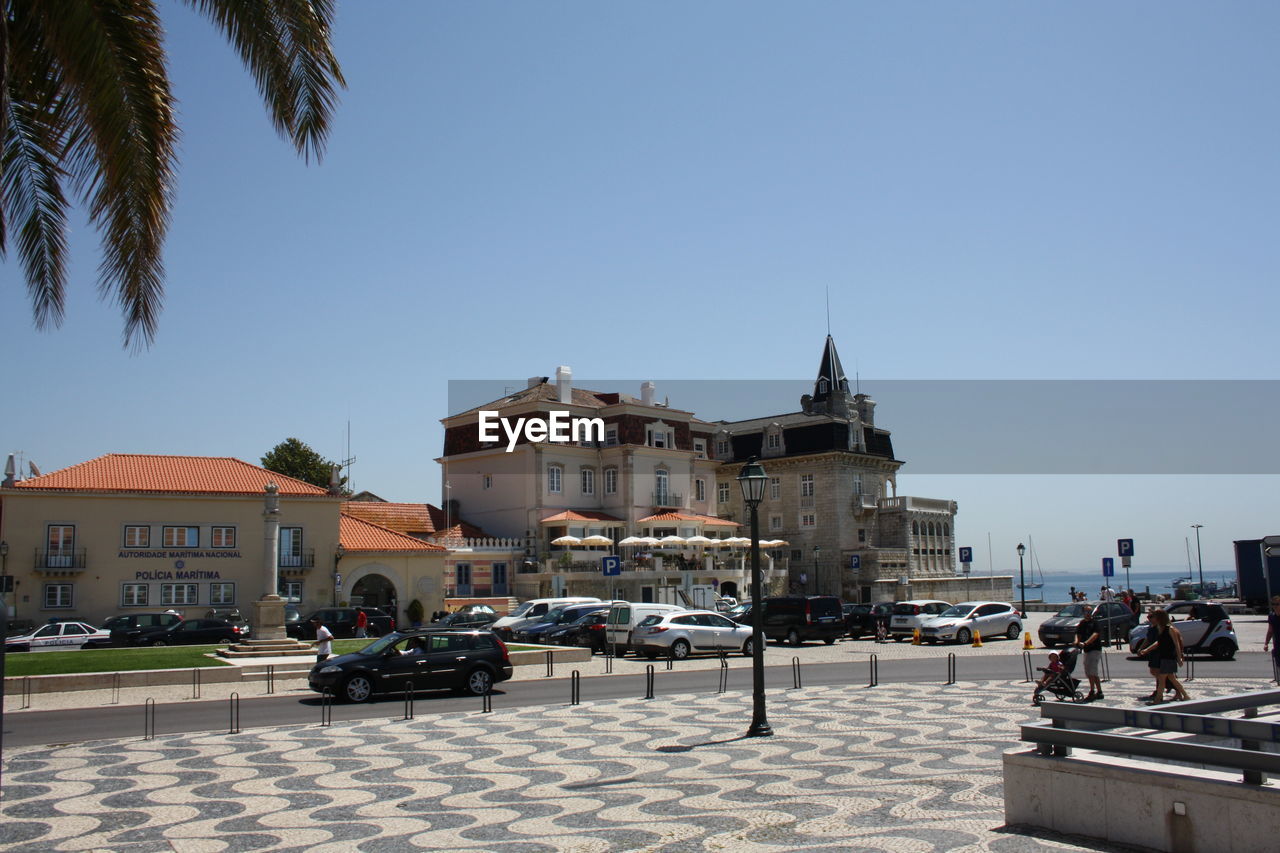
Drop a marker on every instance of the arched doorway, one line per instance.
(729, 589)
(375, 591)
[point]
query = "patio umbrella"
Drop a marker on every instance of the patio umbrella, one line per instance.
(567, 540)
(634, 540)
(672, 540)
(736, 541)
(646, 540)
(597, 539)
(699, 540)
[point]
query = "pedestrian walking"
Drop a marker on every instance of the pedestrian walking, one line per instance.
(1273, 636)
(1164, 655)
(1089, 639)
(324, 640)
(362, 624)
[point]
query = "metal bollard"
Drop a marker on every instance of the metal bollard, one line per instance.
(115, 688)
(671, 663)
(608, 662)
(550, 665)
(486, 704)
(875, 671)
(724, 674)
(26, 691)
(195, 683)
(951, 668)
(233, 727)
(795, 673)
(1252, 777)
(575, 688)
(408, 700)
(1105, 674)
(1190, 666)
(149, 720)
(648, 681)
(271, 679)
(326, 708)
(1027, 669)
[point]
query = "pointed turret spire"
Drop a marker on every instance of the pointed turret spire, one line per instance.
(831, 378)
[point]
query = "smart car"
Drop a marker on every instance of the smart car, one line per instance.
(1204, 626)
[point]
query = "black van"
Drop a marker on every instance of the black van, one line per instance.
(796, 618)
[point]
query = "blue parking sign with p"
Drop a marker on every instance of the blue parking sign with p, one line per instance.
(611, 565)
(855, 561)
(1124, 547)
(966, 555)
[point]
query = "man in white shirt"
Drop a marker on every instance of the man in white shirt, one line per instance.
(324, 640)
(1108, 594)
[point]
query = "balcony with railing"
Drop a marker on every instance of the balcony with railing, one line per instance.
(304, 560)
(668, 499)
(61, 560)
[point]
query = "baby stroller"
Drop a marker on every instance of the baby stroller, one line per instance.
(1061, 685)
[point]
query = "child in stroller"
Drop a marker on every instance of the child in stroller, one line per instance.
(1057, 679)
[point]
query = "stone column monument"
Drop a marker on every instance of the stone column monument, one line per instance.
(268, 612)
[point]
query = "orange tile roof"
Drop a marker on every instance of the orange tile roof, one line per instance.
(356, 534)
(583, 515)
(404, 518)
(127, 472)
(707, 520)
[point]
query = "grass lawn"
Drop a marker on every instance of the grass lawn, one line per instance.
(18, 664)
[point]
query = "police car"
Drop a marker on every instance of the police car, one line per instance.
(59, 635)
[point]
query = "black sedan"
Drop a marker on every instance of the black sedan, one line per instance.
(416, 659)
(191, 632)
(587, 631)
(862, 619)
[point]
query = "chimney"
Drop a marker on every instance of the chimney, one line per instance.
(335, 480)
(564, 384)
(646, 392)
(10, 469)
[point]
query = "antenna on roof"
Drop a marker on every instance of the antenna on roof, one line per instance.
(828, 310)
(857, 378)
(345, 464)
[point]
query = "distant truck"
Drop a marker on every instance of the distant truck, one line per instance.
(1249, 579)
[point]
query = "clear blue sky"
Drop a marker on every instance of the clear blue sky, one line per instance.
(991, 190)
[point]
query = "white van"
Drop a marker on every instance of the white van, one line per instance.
(534, 607)
(624, 616)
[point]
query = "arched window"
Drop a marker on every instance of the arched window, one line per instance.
(946, 529)
(660, 483)
(915, 528)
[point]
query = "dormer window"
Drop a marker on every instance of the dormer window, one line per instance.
(610, 436)
(700, 448)
(773, 441)
(659, 434)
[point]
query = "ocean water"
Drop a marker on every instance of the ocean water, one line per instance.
(1057, 585)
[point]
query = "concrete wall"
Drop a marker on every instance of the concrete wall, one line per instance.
(1126, 801)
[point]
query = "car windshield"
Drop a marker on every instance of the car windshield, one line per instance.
(1076, 610)
(956, 611)
(522, 609)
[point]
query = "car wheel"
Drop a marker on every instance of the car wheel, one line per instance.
(748, 648)
(357, 688)
(679, 650)
(17, 648)
(963, 636)
(793, 637)
(159, 642)
(853, 635)
(479, 682)
(1014, 630)
(1222, 649)
(1048, 644)
(830, 641)
(898, 638)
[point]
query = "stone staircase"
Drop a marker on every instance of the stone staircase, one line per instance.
(286, 647)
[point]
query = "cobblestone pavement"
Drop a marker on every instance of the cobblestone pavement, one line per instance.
(910, 767)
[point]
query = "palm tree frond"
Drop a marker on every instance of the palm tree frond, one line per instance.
(286, 46)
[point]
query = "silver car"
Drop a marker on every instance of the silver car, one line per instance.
(960, 622)
(683, 632)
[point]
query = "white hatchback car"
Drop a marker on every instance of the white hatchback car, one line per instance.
(60, 635)
(960, 622)
(907, 616)
(683, 632)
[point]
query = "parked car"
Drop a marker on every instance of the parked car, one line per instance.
(623, 618)
(740, 612)
(232, 615)
(127, 626)
(534, 631)
(586, 630)
(1114, 620)
(189, 632)
(1204, 625)
(341, 621)
(960, 622)
(59, 635)
(426, 658)
(467, 619)
(534, 607)
(796, 618)
(861, 619)
(907, 616)
(680, 634)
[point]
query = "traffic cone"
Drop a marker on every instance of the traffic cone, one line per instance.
(977, 639)
(915, 636)
(1026, 642)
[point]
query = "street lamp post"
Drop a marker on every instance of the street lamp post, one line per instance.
(1199, 562)
(817, 579)
(752, 479)
(1022, 579)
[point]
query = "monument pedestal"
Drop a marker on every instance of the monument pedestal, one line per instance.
(268, 618)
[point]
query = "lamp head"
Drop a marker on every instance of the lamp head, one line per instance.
(752, 479)
(1021, 549)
